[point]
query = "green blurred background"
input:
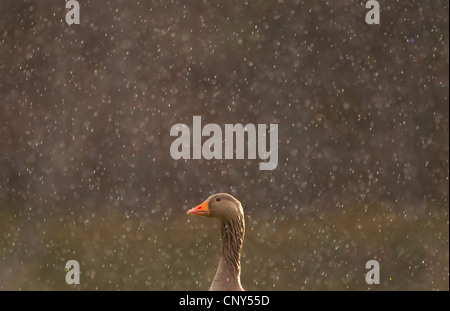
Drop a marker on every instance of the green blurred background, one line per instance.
(85, 168)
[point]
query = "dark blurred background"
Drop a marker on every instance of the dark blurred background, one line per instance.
(85, 168)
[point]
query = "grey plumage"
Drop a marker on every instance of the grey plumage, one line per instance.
(229, 212)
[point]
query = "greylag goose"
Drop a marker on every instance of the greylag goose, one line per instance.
(229, 212)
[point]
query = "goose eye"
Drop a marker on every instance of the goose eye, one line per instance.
(218, 199)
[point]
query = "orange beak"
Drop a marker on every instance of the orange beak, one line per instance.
(201, 210)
